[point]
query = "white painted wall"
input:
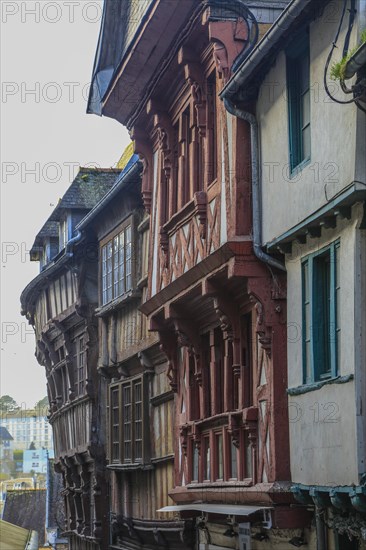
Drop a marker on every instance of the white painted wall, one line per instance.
(323, 437)
(333, 139)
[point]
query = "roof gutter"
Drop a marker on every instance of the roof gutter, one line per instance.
(256, 186)
(265, 47)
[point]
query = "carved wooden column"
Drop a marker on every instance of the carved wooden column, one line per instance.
(269, 299)
(143, 148)
(193, 73)
(85, 498)
(69, 493)
(105, 350)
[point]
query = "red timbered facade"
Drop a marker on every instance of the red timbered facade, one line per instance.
(218, 310)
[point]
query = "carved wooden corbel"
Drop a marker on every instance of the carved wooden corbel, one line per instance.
(197, 439)
(50, 349)
(164, 244)
(228, 37)
(234, 430)
(146, 363)
(183, 434)
(269, 310)
(168, 344)
(230, 326)
(163, 128)
(200, 202)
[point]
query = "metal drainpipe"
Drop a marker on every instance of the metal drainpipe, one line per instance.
(256, 191)
(71, 242)
(321, 543)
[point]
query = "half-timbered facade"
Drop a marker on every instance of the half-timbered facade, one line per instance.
(133, 375)
(60, 304)
(216, 304)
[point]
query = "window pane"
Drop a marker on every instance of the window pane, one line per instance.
(128, 252)
(128, 235)
(206, 459)
(248, 458)
(195, 454)
(219, 458)
(127, 432)
(115, 266)
(306, 321)
(234, 461)
(298, 82)
(115, 423)
(121, 274)
(306, 108)
(321, 315)
(304, 72)
(306, 142)
(138, 421)
(109, 271)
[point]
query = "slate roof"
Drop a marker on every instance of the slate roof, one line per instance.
(120, 23)
(4, 434)
(27, 509)
(87, 189)
(49, 229)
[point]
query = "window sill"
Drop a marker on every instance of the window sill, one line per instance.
(299, 167)
(130, 467)
(157, 400)
(220, 484)
(162, 459)
(118, 303)
(313, 386)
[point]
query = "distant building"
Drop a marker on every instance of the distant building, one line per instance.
(6, 446)
(36, 460)
(27, 426)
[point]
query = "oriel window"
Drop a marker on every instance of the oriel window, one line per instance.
(117, 265)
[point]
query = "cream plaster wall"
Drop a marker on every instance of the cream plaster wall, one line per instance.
(323, 435)
(333, 139)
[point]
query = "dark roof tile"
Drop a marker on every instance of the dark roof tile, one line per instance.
(27, 509)
(4, 434)
(87, 189)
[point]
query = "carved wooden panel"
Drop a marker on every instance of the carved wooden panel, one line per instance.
(187, 245)
(264, 405)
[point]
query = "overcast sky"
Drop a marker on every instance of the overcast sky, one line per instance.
(47, 54)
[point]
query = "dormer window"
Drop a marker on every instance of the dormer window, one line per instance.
(116, 263)
(64, 233)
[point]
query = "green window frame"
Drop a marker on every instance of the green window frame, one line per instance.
(298, 93)
(321, 314)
